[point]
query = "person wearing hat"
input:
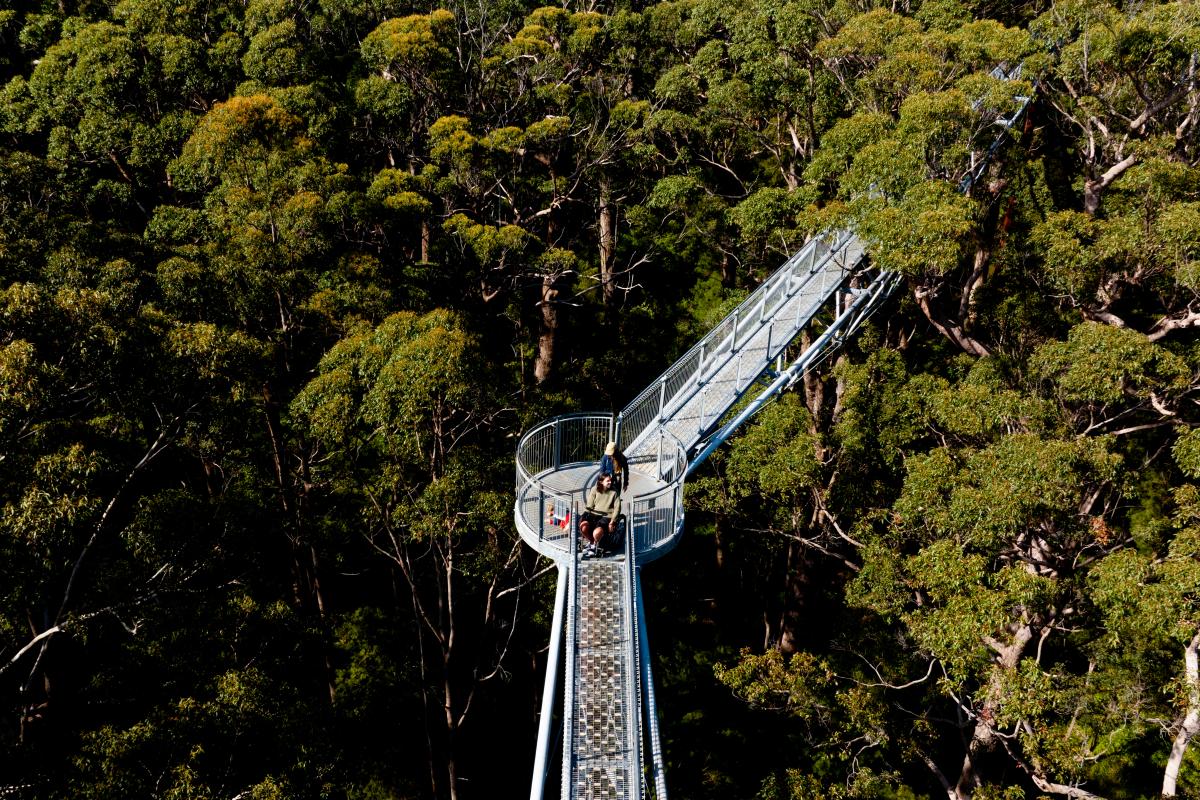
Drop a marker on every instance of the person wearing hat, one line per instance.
(616, 465)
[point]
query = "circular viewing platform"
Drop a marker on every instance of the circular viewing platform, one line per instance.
(558, 462)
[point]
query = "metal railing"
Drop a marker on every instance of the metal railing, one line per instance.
(562, 442)
(721, 343)
(549, 510)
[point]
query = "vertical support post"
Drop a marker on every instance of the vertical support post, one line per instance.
(568, 755)
(658, 461)
(541, 513)
(557, 445)
(616, 437)
(662, 396)
(677, 517)
(737, 315)
(770, 330)
(700, 361)
(656, 756)
(553, 663)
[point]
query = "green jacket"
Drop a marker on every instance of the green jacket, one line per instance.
(606, 504)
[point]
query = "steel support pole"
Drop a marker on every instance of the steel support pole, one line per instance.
(656, 756)
(568, 755)
(553, 662)
(633, 731)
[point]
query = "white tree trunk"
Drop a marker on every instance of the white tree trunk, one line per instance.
(1191, 720)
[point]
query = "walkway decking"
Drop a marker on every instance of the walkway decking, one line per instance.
(605, 766)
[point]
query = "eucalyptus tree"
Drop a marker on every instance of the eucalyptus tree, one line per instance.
(1123, 87)
(1020, 496)
(401, 414)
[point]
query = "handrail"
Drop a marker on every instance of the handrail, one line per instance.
(633, 696)
(723, 340)
(572, 441)
(568, 772)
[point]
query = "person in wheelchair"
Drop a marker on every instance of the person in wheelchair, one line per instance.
(600, 516)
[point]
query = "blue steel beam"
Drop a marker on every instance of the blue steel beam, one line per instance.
(870, 299)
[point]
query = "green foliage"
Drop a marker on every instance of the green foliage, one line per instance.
(281, 282)
(770, 681)
(1101, 364)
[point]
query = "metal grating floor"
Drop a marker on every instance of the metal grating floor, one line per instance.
(605, 769)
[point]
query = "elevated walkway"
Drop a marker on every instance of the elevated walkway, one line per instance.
(611, 744)
(609, 721)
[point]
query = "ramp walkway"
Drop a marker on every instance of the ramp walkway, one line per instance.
(611, 746)
(608, 717)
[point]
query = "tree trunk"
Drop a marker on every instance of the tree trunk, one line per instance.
(608, 228)
(951, 328)
(1191, 721)
(792, 619)
(543, 364)
(451, 729)
(983, 737)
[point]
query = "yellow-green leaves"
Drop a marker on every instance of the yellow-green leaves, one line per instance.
(772, 680)
(20, 383)
(984, 498)
(409, 47)
(925, 233)
(214, 353)
(400, 386)
(777, 456)
(235, 132)
(400, 192)
(491, 245)
(1186, 451)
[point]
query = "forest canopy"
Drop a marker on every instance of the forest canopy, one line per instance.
(282, 282)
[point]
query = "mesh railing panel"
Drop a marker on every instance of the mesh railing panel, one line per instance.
(731, 333)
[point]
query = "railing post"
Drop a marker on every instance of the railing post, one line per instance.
(616, 437)
(557, 445)
(568, 770)
(658, 462)
(541, 513)
(662, 397)
(700, 362)
(770, 330)
(737, 315)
